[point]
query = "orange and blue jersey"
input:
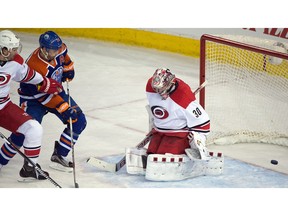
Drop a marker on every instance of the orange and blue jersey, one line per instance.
(53, 69)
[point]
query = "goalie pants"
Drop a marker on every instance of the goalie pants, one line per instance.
(173, 142)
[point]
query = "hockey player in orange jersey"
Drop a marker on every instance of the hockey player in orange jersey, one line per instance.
(51, 59)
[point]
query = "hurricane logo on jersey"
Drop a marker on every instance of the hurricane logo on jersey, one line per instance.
(159, 112)
(4, 78)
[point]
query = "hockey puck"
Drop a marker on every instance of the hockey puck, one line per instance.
(274, 162)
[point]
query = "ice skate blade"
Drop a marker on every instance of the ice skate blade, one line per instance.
(29, 180)
(61, 168)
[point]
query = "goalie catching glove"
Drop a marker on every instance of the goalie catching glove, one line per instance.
(197, 141)
(49, 86)
(67, 112)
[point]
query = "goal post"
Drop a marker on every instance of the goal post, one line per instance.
(247, 94)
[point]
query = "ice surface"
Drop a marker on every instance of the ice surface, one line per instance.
(110, 88)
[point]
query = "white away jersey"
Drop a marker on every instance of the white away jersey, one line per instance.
(18, 71)
(179, 112)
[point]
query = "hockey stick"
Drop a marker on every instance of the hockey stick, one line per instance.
(30, 161)
(71, 136)
(201, 87)
(115, 167)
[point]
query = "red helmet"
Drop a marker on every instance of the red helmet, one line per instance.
(162, 81)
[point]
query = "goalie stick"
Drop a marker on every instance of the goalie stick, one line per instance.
(201, 87)
(30, 161)
(115, 167)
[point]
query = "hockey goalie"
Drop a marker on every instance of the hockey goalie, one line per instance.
(179, 126)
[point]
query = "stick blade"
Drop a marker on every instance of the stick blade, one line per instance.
(103, 165)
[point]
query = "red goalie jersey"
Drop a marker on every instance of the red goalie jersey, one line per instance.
(175, 112)
(180, 112)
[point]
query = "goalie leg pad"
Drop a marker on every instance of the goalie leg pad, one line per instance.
(180, 167)
(214, 162)
(136, 161)
(215, 165)
(171, 168)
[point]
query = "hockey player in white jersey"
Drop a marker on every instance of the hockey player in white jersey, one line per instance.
(12, 117)
(180, 129)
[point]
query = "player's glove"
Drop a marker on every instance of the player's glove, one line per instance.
(49, 86)
(67, 112)
(67, 76)
(68, 72)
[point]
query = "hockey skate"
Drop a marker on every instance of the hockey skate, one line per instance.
(29, 173)
(59, 162)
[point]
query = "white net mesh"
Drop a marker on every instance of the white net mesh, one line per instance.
(246, 96)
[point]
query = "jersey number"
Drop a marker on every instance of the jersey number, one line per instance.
(197, 112)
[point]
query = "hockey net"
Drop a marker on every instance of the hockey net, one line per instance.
(247, 92)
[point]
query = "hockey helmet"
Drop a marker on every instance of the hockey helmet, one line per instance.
(162, 81)
(9, 41)
(50, 40)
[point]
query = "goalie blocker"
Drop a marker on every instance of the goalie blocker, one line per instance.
(169, 167)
